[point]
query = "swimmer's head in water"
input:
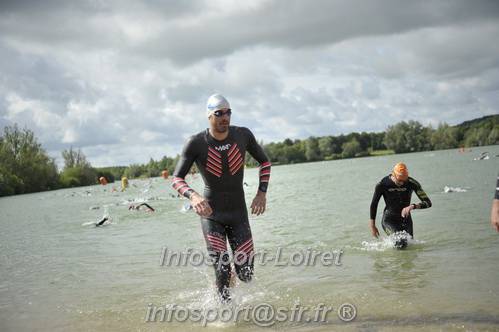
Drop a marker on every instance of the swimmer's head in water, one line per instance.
(400, 171)
(216, 102)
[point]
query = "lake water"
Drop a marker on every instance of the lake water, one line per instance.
(58, 273)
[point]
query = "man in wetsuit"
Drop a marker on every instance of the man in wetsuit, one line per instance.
(396, 190)
(219, 155)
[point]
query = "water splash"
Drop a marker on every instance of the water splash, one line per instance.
(389, 243)
(456, 190)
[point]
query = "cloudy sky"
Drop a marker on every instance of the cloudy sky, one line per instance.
(128, 80)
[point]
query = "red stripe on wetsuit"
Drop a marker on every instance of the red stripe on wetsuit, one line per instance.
(264, 172)
(235, 159)
(217, 244)
(214, 162)
(182, 187)
(244, 251)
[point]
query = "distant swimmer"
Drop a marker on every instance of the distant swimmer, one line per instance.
(483, 156)
(136, 207)
(101, 222)
(396, 190)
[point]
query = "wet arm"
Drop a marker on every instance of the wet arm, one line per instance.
(260, 201)
(183, 166)
(425, 200)
(374, 210)
(374, 202)
(256, 151)
(198, 202)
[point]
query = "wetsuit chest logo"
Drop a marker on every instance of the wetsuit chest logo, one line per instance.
(397, 189)
(214, 163)
(223, 147)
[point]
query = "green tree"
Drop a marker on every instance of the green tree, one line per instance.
(74, 159)
(152, 169)
(79, 176)
(24, 166)
(293, 154)
(326, 146)
(351, 148)
(168, 164)
(134, 171)
(493, 137)
(395, 138)
(116, 171)
(106, 173)
(445, 137)
(77, 170)
(312, 149)
(476, 136)
(406, 137)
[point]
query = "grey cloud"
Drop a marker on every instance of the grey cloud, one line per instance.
(128, 80)
(305, 24)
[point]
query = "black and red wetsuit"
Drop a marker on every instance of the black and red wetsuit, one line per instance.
(221, 164)
(396, 199)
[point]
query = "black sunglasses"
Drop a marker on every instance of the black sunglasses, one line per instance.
(220, 113)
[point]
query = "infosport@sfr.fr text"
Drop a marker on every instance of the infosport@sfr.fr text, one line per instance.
(263, 314)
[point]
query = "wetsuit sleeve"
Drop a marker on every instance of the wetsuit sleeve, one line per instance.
(183, 166)
(264, 172)
(256, 151)
(425, 200)
(145, 204)
(497, 188)
(375, 201)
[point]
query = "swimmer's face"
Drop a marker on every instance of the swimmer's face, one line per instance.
(221, 122)
(397, 181)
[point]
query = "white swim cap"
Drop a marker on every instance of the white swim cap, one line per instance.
(215, 103)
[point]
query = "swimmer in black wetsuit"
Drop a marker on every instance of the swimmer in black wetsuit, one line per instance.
(396, 190)
(219, 155)
(101, 222)
(136, 207)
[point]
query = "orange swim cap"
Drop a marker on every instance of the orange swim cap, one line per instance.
(400, 171)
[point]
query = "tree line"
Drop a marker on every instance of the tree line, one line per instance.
(402, 137)
(25, 166)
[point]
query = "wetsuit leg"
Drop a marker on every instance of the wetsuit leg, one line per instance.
(393, 223)
(229, 221)
(241, 243)
(215, 236)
